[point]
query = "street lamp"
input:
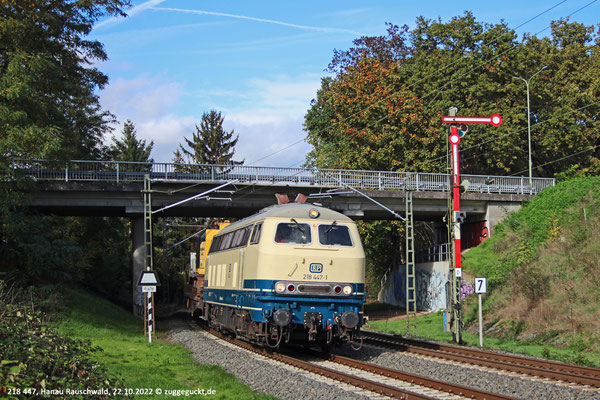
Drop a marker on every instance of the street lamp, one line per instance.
(529, 115)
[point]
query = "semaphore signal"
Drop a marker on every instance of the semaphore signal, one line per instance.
(457, 217)
(495, 120)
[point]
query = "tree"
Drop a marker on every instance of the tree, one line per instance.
(368, 119)
(48, 109)
(382, 108)
(48, 104)
(211, 144)
(470, 65)
(130, 148)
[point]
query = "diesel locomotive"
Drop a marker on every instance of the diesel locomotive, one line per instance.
(292, 273)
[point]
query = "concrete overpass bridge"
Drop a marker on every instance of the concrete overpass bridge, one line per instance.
(106, 188)
(115, 189)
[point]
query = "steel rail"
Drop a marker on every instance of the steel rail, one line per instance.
(435, 384)
(377, 387)
(509, 362)
(363, 383)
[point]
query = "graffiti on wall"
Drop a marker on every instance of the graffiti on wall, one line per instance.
(430, 287)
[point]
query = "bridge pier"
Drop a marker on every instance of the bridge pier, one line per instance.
(137, 239)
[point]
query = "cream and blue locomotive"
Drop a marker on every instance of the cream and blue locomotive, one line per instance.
(292, 273)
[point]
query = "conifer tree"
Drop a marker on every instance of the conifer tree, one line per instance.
(129, 147)
(211, 144)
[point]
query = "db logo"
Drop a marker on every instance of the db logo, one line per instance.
(316, 268)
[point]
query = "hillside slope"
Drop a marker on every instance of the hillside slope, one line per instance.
(543, 269)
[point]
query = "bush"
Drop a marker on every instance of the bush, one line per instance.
(37, 358)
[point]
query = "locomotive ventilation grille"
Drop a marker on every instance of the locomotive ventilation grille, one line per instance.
(314, 289)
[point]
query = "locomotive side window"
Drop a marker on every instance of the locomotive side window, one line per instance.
(293, 232)
(256, 233)
(231, 240)
(334, 235)
(237, 238)
(225, 244)
(214, 246)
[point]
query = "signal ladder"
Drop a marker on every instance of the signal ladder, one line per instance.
(411, 294)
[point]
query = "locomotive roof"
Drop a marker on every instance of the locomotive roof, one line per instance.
(291, 210)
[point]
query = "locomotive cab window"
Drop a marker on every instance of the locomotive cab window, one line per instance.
(334, 235)
(293, 232)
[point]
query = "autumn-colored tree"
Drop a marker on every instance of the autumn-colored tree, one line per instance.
(368, 119)
(382, 108)
(470, 65)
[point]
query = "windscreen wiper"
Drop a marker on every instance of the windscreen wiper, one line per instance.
(300, 228)
(331, 227)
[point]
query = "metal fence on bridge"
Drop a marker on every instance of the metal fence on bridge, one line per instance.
(120, 171)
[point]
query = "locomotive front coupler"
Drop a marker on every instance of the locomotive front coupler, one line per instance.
(312, 320)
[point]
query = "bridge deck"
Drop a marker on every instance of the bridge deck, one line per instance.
(120, 172)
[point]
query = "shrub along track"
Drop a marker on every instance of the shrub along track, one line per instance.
(553, 370)
(381, 380)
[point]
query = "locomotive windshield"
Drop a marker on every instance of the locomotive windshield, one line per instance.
(293, 232)
(334, 235)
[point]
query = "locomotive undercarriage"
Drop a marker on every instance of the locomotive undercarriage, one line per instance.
(239, 323)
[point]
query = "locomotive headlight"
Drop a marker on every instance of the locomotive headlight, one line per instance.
(280, 287)
(347, 290)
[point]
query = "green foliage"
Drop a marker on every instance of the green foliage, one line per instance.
(431, 327)
(381, 242)
(92, 251)
(127, 353)
(48, 104)
(539, 219)
(49, 109)
(210, 144)
(39, 250)
(129, 147)
(543, 265)
(367, 119)
(36, 357)
(406, 80)
(171, 262)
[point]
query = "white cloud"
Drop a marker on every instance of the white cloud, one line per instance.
(167, 129)
(269, 119)
(267, 143)
(141, 98)
(266, 113)
(150, 104)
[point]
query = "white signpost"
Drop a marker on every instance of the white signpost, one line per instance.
(148, 282)
(480, 288)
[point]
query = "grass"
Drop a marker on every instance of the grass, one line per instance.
(430, 327)
(128, 355)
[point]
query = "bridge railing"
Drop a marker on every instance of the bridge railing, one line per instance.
(120, 171)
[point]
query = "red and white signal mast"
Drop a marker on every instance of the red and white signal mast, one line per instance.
(458, 216)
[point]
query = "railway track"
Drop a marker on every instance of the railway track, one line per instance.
(373, 378)
(553, 370)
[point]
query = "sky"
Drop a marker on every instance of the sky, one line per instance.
(260, 62)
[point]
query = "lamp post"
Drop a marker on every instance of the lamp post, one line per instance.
(529, 116)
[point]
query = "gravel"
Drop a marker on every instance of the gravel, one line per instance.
(513, 385)
(258, 372)
(291, 383)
